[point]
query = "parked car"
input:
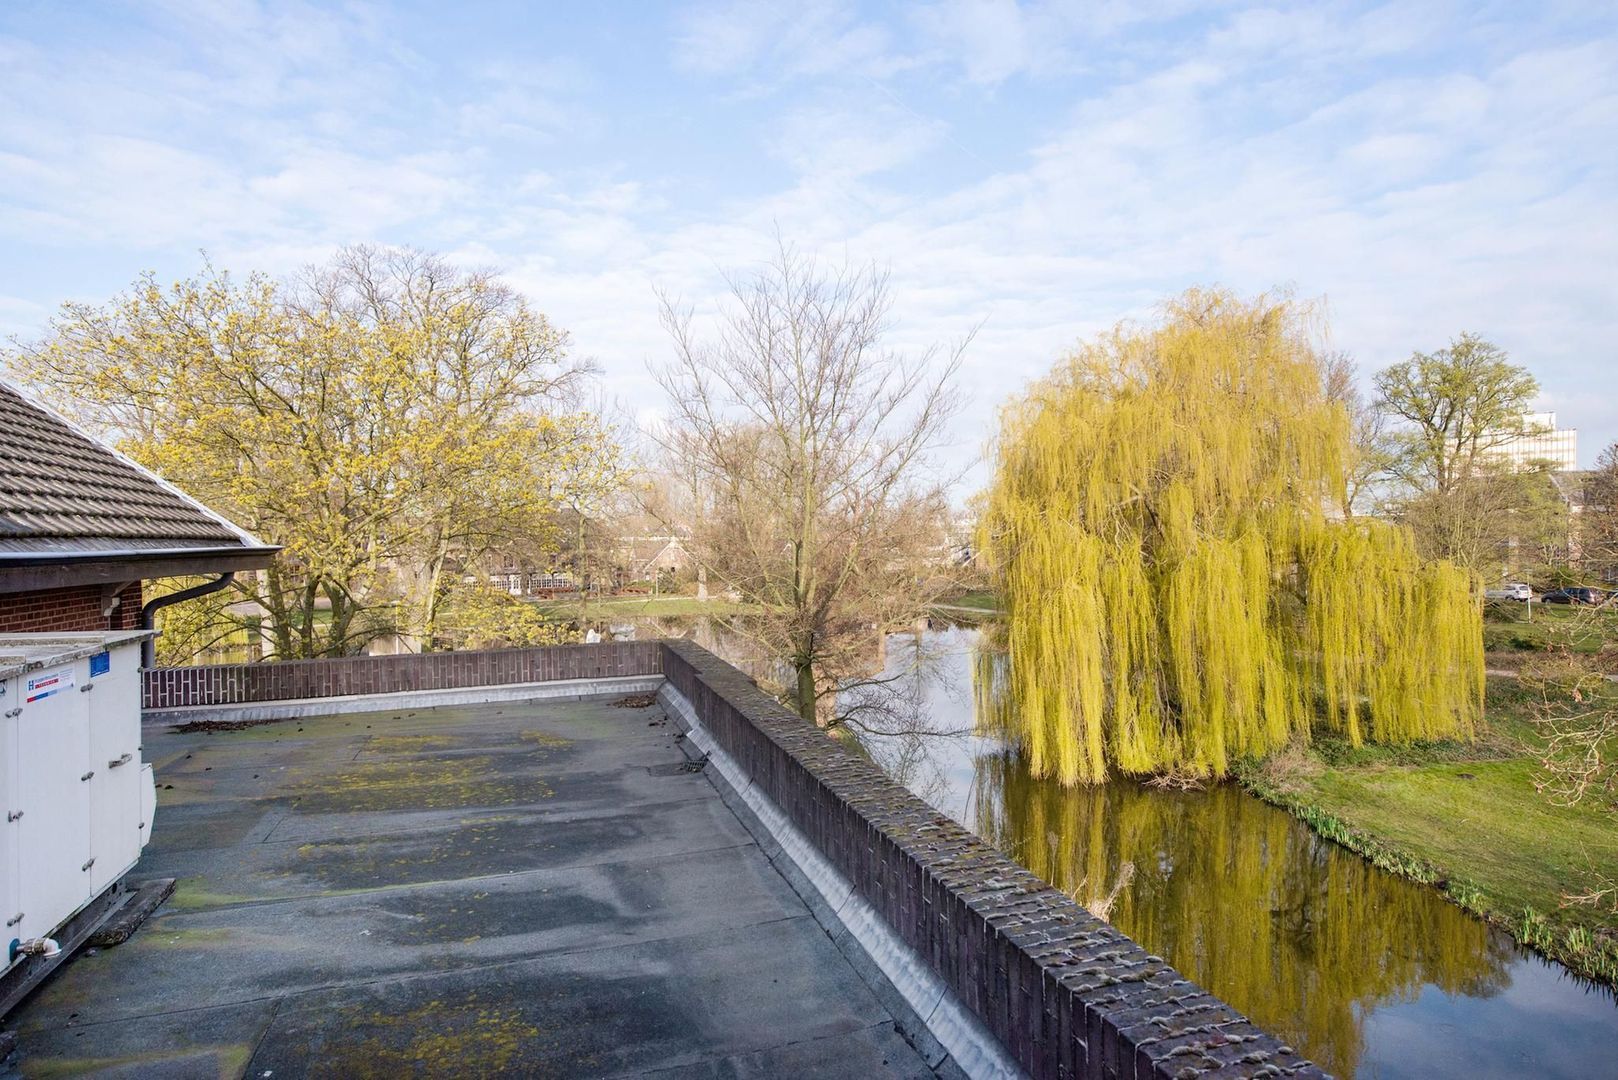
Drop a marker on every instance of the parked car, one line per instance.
(1517, 590)
(1576, 594)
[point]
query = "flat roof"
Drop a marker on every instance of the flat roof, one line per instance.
(545, 888)
(20, 653)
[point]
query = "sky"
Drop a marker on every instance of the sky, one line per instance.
(1036, 171)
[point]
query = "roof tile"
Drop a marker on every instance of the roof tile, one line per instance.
(57, 484)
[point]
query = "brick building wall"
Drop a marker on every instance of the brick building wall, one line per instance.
(67, 609)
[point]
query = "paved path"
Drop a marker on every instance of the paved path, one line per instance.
(1507, 673)
(539, 889)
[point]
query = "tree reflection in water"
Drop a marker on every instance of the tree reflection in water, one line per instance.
(1305, 938)
(1243, 899)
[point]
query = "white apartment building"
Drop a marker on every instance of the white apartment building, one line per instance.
(1542, 440)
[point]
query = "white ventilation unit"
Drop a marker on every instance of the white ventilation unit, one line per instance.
(77, 798)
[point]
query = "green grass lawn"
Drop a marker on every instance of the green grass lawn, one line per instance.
(645, 606)
(1510, 626)
(1467, 818)
(983, 600)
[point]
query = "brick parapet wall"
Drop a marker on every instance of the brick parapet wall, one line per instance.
(70, 609)
(1066, 993)
(238, 684)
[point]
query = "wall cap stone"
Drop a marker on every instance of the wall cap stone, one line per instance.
(1066, 993)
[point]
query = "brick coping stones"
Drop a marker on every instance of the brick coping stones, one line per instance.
(1066, 994)
(348, 676)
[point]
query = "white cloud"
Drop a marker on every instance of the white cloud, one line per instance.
(852, 139)
(1476, 189)
(21, 317)
(992, 37)
(537, 101)
(775, 41)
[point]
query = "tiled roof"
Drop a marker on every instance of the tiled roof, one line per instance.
(60, 490)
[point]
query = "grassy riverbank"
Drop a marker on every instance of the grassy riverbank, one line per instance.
(974, 603)
(1466, 818)
(629, 607)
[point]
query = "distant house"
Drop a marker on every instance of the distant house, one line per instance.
(645, 558)
(589, 550)
(82, 528)
(521, 578)
(960, 545)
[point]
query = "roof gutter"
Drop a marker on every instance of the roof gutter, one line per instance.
(33, 570)
(149, 610)
(56, 558)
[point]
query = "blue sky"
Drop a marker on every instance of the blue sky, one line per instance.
(1044, 169)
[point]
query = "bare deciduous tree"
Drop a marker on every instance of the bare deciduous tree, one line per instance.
(1598, 521)
(1371, 446)
(1575, 709)
(808, 445)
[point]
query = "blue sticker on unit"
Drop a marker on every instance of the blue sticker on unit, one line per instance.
(100, 663)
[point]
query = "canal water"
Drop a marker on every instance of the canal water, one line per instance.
(1368, 974)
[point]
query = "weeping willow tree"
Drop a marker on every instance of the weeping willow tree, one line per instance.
(1178, 592)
